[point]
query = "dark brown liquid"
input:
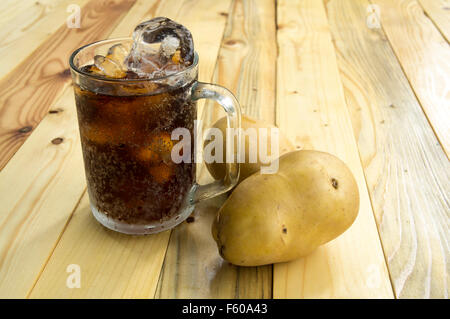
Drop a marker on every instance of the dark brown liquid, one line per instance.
(127, 152)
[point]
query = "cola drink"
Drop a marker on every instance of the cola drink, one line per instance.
(131, 95)
(127, 145)
(125, 127)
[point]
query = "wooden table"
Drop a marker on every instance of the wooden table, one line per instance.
(332, 78)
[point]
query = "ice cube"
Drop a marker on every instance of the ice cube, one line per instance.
(118, 54)
(176, 57)
(147, 155)
(162, 173)
(92, 69)
(174, 39)
(103, 133)
(109, 67)
(169, 46)
(158, 149)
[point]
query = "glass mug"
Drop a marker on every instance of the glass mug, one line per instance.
(125, 127)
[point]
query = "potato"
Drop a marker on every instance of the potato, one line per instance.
(217, 170)
(312, 199)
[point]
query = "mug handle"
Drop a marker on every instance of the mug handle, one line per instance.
(231, 106)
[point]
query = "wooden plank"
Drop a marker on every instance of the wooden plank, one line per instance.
(424, 55)
(10, 9)
(246, 65)
(399, 151)
(142, 10)
(247, 61)
(38, 191)
(112, 265)
(439, 12)
(311, 108)
(99, 252)
(27, 93)
(44, 182)
(33, 23)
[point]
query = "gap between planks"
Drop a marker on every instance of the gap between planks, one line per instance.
(438, 11)
(310, 90)
(416, 63)
(191, 249)
(56, 243)
(373, 79)
(39, 80)
(30, 209)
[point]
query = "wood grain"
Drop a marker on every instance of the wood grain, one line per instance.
(38, 190)
(193, 267)
(101, 253)
(363, 100)
(33, 22)
(142, 10)
(406, 170)
(45, 171)
(112, 265)
(11, 9)
(247, 60)
(424, 56)
(439, 12)
(27, 93)
(311, 109)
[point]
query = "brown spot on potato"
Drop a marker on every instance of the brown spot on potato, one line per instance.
(335, 183)
(284, 230)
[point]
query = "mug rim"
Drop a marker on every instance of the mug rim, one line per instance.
(101, 78)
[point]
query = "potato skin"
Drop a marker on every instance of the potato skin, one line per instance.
(280, 217)
(217, 170)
